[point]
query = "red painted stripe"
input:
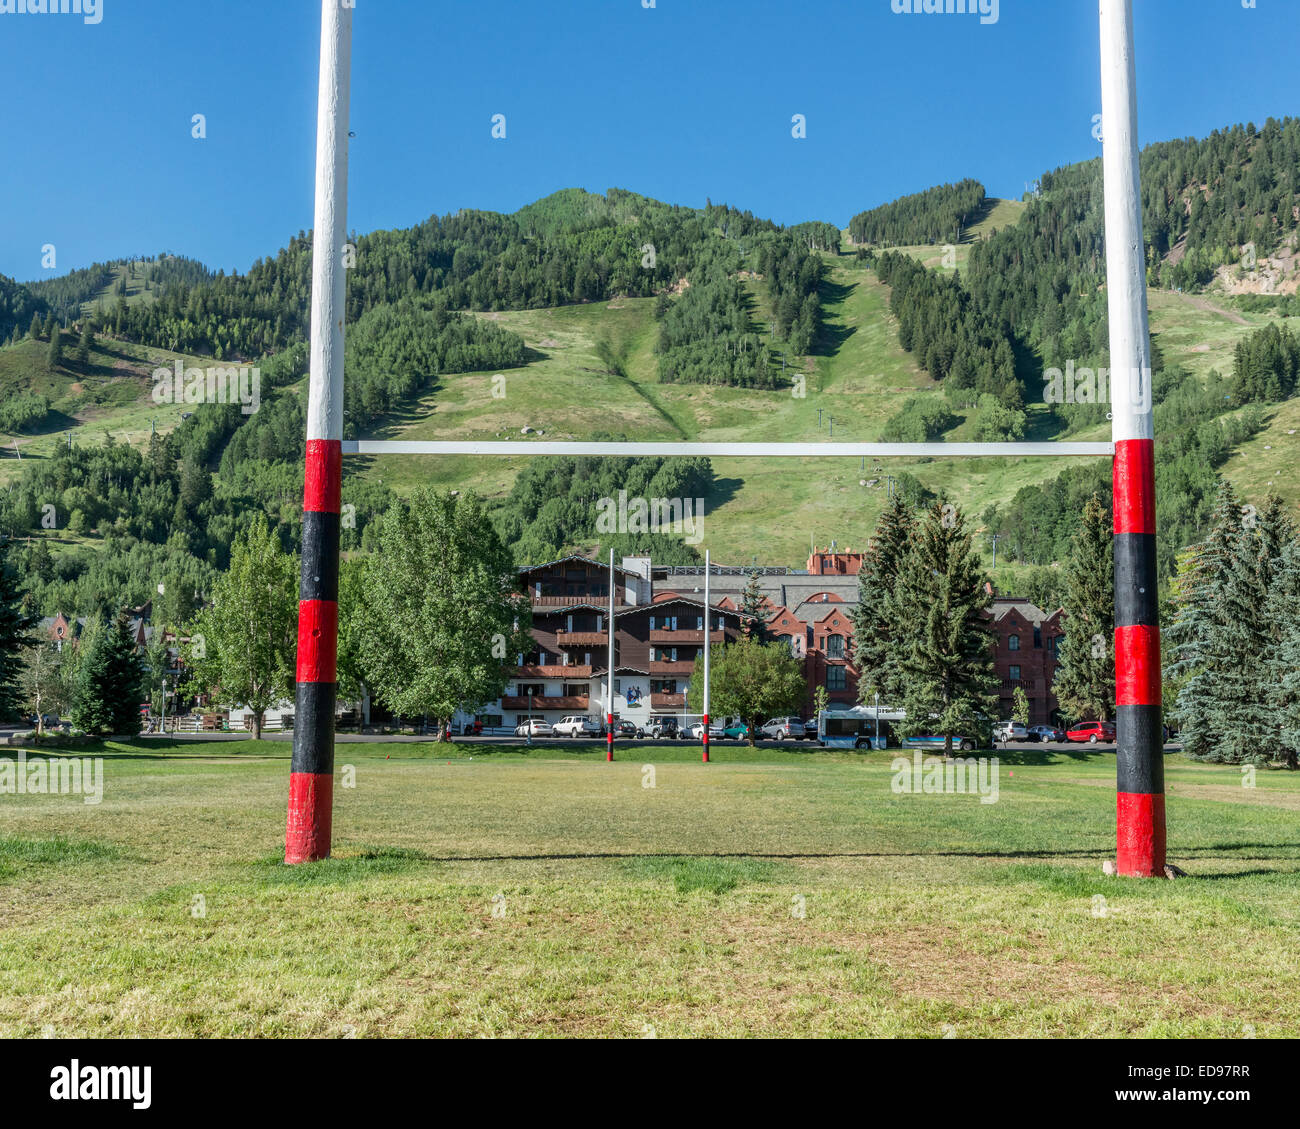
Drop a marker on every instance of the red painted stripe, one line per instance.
(323, 486)
(1137, 666)
(1135, 486)
(1140, 825)
(311, 803)
(318, 641)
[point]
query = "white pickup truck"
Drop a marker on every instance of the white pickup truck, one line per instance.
(576, 726)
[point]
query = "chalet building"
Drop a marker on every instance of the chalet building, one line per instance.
(656, 643)
(1026, 656)
(61, 629)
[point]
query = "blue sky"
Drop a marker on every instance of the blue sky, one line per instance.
(688, 100)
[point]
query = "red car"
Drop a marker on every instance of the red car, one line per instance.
(1091, 731)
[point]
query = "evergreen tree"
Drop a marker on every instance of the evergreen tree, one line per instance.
(14, 625)
(1085, 680)
(945, 657)
(110, 683)
(35, 330)
(754, 603)
(1282, 669)
(1196, 649)
(55, 356)
(83, 345)
(876, 632)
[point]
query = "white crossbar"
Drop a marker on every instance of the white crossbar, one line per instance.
(729, 450)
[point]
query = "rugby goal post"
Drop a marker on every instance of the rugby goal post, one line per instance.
(1140, 814)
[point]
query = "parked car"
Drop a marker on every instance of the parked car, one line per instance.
(1091, 731)
(1010, 731)
(578, 726)
(1046, 733)
(810, 729)
(715, 731)
(783, 728)
(534, 727)
(628, 729)
(736, 731)
(661, 725)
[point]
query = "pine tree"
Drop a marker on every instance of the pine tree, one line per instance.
(1196, 648)
(110, 683)
(56, 349)
(14, 625)
(35, 331)
(875, 631)
(1237, 709)
(1085, 680)
(945, 657)
(754, 603)
(83, 345)
(1282, 667)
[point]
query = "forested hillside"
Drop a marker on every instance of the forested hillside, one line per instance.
(938, 215)
(617, 312)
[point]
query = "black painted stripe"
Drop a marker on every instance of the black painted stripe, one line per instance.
(1140, 757)
(320, 557)
(1137, 597)
(313, 727)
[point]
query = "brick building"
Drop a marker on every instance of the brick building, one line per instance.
(1026, 655)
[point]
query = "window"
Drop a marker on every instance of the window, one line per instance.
(699, 623)
(835, 678)
(1013, 643)
(652, 623)
(1015, 674)
(653, 653)
(1038, 637)
(618, 686)
(835, 646)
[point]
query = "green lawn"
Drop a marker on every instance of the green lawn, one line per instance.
(772, 892)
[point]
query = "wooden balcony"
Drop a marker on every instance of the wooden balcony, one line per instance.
(582, 638)
(667, 701)
(686, 637)
(553, 671)
(601, 601)
(687, 668)
(538, 703)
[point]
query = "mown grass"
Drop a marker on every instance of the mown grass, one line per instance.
(544, 892)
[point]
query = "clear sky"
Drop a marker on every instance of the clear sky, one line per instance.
(686, 100)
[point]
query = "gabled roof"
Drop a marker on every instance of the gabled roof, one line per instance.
(603, 565)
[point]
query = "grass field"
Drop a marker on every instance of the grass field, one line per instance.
(544, 893)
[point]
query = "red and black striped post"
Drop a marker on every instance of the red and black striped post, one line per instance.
(311, 779)
(1140, 807)
(708, 625)
(609, 685)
